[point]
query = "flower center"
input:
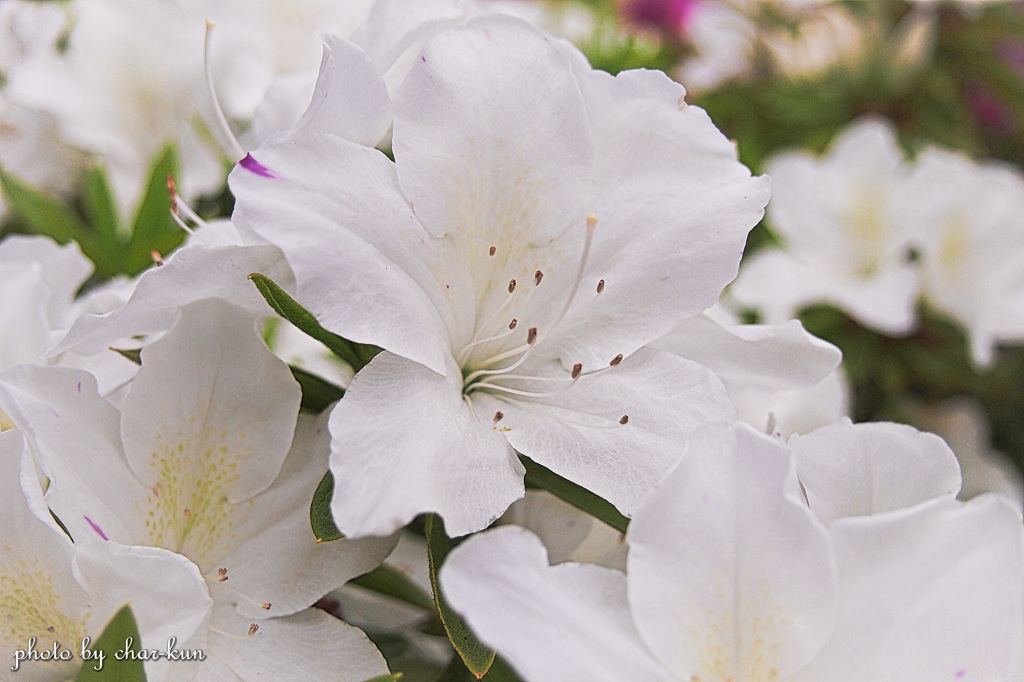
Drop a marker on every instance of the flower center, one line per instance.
(501, 358)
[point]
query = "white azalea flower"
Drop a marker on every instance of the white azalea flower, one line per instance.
(967, 217)
(732, 577)
(845, 239)
(59, 593)
(201, 461)
(540, 224)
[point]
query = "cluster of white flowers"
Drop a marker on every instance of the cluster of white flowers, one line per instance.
(871, 232)
(524, 256)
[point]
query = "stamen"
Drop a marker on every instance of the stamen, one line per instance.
(513, 323)
(172, 191)
(511, 285)
(531, 336)
(577, 369)
(222, 574)
(615, 361)
(537, 277)
(491, 251)
(516, 391)
(498, 416)
(158, 260)
(600, 286)
(624, 420)
(222, 577)
(252, 631)
(221, 118)
(548, 409)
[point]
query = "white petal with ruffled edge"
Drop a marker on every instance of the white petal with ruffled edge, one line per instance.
(565, 622)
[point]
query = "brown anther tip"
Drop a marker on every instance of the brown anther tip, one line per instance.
(513, 323)
(531, 335)
(498, 416)
(253, 628)
(616, 360)
(172, 187)
(319, 540)
(624, 420)
(537, 277)
(157, 258)
(188, 512)
(265, 606)
(600, 286)
(511, 285)
(491, 251)
(577, 369)
(222, 574)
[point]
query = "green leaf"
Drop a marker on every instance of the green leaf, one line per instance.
(133, 354)
(101, 208)
(477, 657)
(45, 214)
(538, 476)
(317, 392)
(121, 633)
(393, 677)
(153, 228)
(357, 355)
(391, 582)
(320, 518)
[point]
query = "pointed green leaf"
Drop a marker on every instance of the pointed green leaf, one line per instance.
(393, 677)
(317, 392)
(101, 208)
(121, 633)
(391, 582)
(538, 476)
(320, 518)
(153, 228)
(477, 656)
(357, 355)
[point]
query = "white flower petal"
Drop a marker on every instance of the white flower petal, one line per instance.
(208, 429)
(75, 436)
(861, 469)
(577, 432)
(191, 274)
(767, 357)
(730, 575)
(369, 249)
(350, 99)
(404, 442)
(929, 593)
(299, 570)
(167, 594)
(309, 645)
(517, 170)
(565, 622)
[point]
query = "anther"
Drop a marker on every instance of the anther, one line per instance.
(222, 574)
(531, 336)
(158, 260)
(537, 277)
(513, 323)
(491, 251)
(577, 369)
(188, 513)
(616, 360)
(498, 416)
(172, 191)
(624, 420)
(511, 285)
(253, 628)
(600, 286)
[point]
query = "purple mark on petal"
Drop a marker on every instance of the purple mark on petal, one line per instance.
(79, 386)
(423, 58)
(251, 164)
(99, 531)
(960, 673)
